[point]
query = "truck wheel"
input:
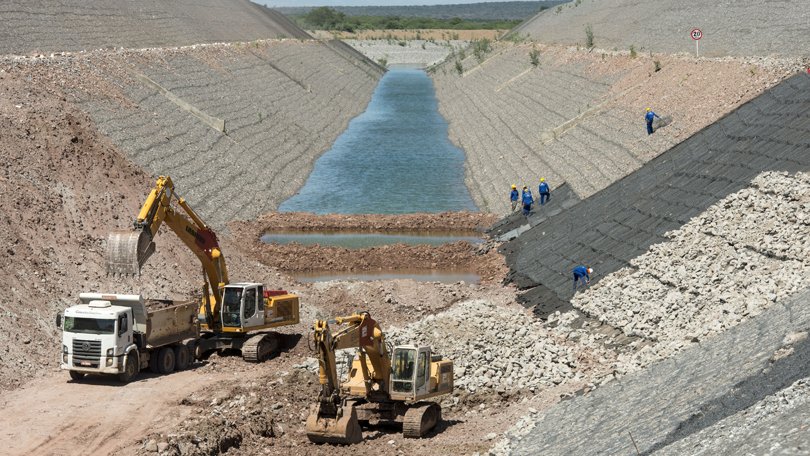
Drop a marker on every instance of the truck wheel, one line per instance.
(181, 357)
(76, 376)
(131, 369)
(166, 360)
(153, 362)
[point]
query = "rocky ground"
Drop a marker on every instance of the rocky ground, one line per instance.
(745, 253)
(742, 256)
(481, 259)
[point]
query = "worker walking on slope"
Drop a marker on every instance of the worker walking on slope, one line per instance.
(513, 197)
(582, 274)
(545, 194)
(649, 118)
(527, 201)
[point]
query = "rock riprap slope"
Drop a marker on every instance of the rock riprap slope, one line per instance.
(500, 348)
(729, 264)
(577, 116)
(621, 222)
(237, 126)
(738, 28)
(75, 25)
(714, 387)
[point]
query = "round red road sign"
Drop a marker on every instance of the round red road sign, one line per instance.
(696, 34)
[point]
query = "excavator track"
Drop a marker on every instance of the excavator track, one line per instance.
(420, 418)
(259, 347)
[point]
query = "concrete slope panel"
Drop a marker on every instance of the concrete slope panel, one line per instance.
(737, 28)
(620, 222)
(73, 25)
(238, 127)
(578, 116)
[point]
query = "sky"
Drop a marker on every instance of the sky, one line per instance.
(275, 3)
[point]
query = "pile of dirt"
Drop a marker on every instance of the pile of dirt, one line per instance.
(456, 256)
(434, 223)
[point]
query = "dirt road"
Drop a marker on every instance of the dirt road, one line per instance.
(95, 416)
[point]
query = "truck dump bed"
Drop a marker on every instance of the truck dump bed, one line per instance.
(171, 321)
(161, 321)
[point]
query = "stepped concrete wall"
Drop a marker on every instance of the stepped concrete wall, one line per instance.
(736, 28)
(238, 127)
(622, 221)
(577, 117)
(74, 25)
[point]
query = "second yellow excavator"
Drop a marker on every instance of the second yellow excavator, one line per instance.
(229, 311)
(380, 387)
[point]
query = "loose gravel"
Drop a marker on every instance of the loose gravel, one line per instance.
(742, 255)
(498, 347)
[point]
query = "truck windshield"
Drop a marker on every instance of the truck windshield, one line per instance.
(89, 325)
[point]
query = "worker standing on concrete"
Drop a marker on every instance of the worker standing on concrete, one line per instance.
(649, 118)
(545, 194)
(513, 197)
(582, 274)
(527, 201)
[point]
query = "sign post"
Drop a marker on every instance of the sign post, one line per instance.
(696, 35)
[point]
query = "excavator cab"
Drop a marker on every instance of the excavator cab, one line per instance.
(416, 373)
(242, 306)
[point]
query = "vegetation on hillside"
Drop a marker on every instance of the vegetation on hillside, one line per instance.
(513, 10)
(325, 18)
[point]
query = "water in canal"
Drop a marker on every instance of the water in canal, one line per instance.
(394, 158)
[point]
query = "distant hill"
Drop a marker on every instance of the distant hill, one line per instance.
(485, 10)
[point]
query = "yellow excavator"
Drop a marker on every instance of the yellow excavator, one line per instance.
(229, 311)
(380, 388)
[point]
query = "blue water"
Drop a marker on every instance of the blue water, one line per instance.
(394, 158)
(364, 240)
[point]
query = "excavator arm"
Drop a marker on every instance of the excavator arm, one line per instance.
(332, 420)
(128, 250)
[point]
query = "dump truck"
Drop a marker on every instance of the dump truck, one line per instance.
(380, 387)
(233, 316)
(120, 334)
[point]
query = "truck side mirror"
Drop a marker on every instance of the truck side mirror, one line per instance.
(58, 320)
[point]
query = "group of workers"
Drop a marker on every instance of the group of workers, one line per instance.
(582, 273)
(526, 199)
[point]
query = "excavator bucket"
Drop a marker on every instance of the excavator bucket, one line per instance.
(127, 251)
(342, 428)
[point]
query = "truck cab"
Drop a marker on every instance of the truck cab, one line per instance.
(95, 338)
(116, 334)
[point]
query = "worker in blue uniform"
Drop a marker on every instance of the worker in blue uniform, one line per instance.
(649, 118)
(527, 201)
(514, 197)
(545, 194)
(582, 274)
